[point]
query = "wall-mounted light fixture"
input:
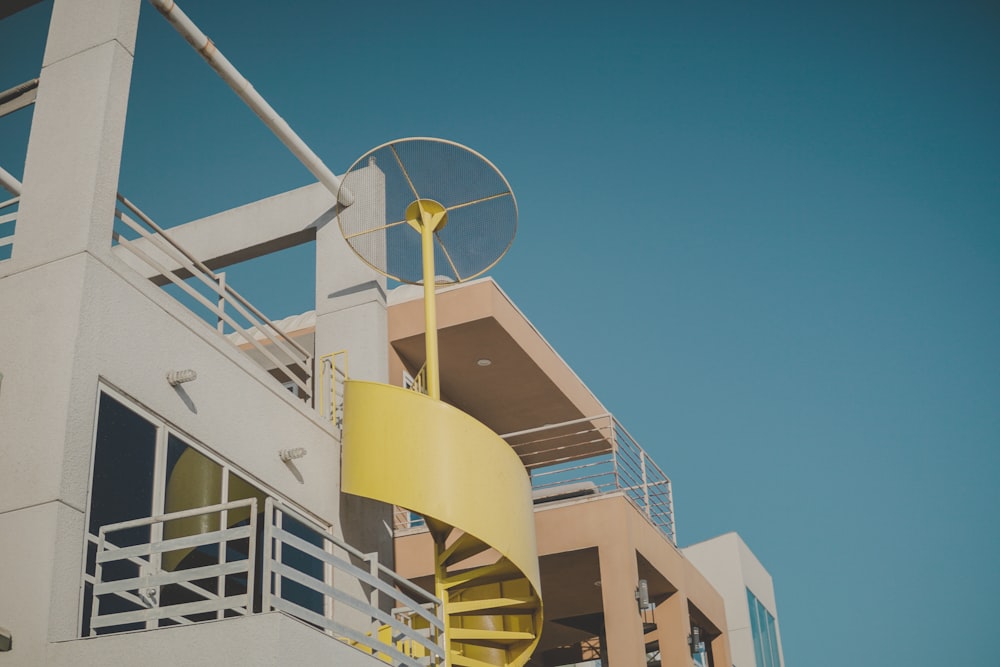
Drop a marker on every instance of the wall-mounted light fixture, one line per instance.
(695, 640)
(642, 595)
(175, 378)
(6, 640)
(287, 455)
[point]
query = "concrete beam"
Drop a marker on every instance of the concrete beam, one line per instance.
(239, 234)
(18, 97)
(269, 225)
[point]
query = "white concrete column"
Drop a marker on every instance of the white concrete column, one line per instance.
(47, 404)
(350, 296)
(74, 151)
(351, 315)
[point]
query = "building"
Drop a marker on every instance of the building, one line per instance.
(187, 481)
(751, 610)
(603, 509)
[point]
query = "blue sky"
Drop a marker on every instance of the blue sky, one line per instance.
(767, 235)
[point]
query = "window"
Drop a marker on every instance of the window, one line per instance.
(121, 489)
(142, 468)
(765, 638)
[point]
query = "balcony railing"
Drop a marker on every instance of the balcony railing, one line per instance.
(8, 218)
(129, 577)
(226, 561)
(582, 458)
(207, 291)
(595, 456)
(398, 619)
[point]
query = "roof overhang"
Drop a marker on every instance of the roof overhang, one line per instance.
(525, 385)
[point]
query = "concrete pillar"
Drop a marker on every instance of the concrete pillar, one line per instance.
(74, 151)
(351, 315)
(673, 625)
(350, 296)
(50, 380)
(623, 643)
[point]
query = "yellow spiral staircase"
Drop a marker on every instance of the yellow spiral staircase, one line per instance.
(405, 448)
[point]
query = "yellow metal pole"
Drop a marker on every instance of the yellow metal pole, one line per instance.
(430, 309)
(431, 216)
(442, 593)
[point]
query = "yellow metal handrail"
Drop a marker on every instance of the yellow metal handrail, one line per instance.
(330, 377)
(419, 383)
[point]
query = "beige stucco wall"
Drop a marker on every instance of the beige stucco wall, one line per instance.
(619, 532)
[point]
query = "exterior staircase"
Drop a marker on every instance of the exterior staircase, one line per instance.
(404, 448)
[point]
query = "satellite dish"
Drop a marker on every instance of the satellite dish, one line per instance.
(450, 215)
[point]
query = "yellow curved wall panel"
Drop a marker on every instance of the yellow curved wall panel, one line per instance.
(404, 448)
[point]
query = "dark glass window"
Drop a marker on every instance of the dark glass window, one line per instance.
(124, 457)
(133, 456)
(122, 489)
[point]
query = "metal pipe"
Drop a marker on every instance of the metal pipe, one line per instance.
(18, 97)
(204, 46)
(430, 313)
(9, 183)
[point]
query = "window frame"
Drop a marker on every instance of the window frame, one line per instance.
(164, 430)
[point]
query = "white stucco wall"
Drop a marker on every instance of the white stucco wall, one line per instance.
(128, 334)
(730, 566)
(263, 640)
(74, 315)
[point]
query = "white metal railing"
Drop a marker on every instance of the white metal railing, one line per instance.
(384, 614)
(143, 580)
(8, 218)
(594, 456)
(585, 457)
(132, 589)
(208, 290)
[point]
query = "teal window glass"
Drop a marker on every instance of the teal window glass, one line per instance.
(765, 637)
(758, 647)
(772, 640)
